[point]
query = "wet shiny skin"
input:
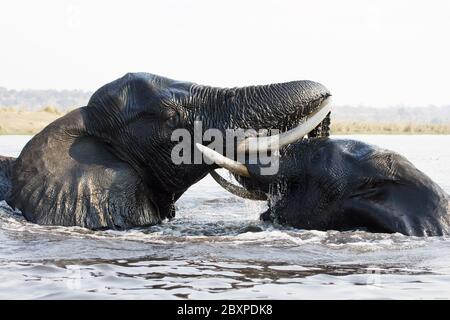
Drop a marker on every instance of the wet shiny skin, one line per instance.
(217, 248)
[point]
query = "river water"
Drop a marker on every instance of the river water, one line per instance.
(216, 248)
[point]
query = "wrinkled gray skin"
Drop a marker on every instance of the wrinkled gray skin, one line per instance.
(108, 165)
(5, 175)
(327, 184)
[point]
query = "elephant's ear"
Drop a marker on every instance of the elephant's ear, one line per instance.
(66, 177)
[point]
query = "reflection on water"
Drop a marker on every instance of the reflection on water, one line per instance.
(217, 248)
(168, 279)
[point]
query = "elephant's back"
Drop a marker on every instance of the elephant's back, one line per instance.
(6, 164)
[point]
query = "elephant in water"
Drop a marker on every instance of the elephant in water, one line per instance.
(328, 184)
(108, 164)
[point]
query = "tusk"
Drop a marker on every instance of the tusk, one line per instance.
(255, 144)
(224, 162)
(236, 190)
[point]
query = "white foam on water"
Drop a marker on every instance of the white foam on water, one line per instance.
(216, 247)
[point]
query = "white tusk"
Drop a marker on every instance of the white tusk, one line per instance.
(255, 144)
(236, 190)
(224, 162)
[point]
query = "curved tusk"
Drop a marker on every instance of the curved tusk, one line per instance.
(224, 162)
(236, 190)
(255, 144)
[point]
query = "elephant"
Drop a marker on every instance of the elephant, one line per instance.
(5, 175)
(339, 184)
(107, 165)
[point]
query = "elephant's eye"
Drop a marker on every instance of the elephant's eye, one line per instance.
(172, 119)
(319, 155)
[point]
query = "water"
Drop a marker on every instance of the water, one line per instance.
(216, 248)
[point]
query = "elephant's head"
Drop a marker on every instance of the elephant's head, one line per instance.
(108, 165)
(328, 184)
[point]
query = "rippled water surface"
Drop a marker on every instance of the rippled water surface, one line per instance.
(217, 248)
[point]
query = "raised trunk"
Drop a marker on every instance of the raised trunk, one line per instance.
(108, 165)
(275, 106)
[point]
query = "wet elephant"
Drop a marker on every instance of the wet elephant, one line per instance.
(331, 184)
(108, 164)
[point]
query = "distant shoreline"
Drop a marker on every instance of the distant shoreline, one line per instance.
(372, 127)
(21, 122)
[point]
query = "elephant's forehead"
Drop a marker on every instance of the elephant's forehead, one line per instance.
(148, 79)
(140, 83)
(352, 148)
(330, 147)
(134, 86)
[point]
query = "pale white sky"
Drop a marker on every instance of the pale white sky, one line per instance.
(367, 52)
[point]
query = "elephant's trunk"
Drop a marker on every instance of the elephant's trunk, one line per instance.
(275, 106)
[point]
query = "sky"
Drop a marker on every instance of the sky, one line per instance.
(374, 53)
